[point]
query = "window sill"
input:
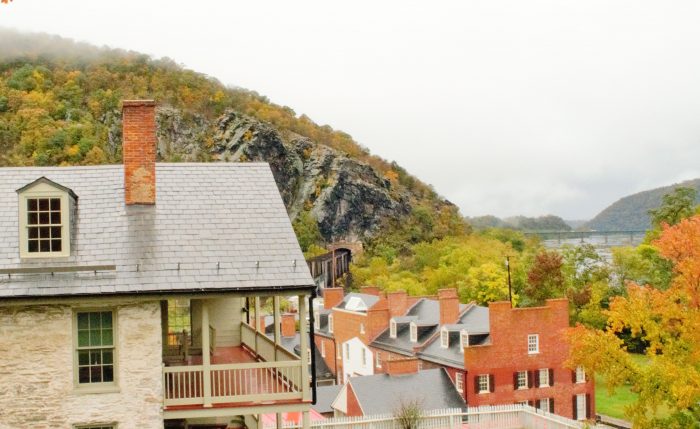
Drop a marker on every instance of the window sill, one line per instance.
(522, 388)
(483, 392)
(88, 390)
(544, 385)
(533, 353)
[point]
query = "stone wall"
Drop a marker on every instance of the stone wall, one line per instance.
(36, 369)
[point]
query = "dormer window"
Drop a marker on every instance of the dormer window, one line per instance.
(392, 328)
(414, 333)
(464, 339)
(444, 338)
(330, 323)
(44, 219)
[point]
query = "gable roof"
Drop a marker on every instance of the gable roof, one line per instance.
(214, 227)
(43, 179)
(358, 302)
(325, 395)
(382, 393)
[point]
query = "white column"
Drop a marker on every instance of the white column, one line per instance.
(278, 330)
(306, 420)
(278, 420)
(256, 323)
(206, 358)
(304, 345)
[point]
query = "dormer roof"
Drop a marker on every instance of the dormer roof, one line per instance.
(44, 180)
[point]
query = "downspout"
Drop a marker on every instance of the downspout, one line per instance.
(312, 346)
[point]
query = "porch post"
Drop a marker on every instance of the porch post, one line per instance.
(206, 358)
(256, 323)
(304, 345)
(278, 420)
(305, 420)
(278, 330)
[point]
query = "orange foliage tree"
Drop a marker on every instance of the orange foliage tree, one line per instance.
(669, 322)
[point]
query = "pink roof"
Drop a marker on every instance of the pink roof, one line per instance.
(270, 420)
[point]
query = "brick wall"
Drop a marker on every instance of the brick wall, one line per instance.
(508, 353)
(354, 409)
(330, 357)
(139, 151)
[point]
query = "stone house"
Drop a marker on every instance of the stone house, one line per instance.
(127, 293)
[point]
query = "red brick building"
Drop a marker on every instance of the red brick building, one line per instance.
(522, 360)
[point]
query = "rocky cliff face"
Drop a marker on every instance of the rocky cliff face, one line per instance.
(347, 197)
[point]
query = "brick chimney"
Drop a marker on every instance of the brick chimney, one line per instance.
(398, 303)
(449, 306)
(370, 290)
(332, 296)
(289, 328)
(139, 151)
(401, 366)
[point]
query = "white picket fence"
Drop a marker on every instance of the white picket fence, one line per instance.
(487, 417)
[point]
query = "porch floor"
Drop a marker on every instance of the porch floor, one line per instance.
(224, 355)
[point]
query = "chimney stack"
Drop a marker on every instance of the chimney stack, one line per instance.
(449, 306)
(332, 296)
(401, 366)
(289, 328)
(139, 151)
(397, 302)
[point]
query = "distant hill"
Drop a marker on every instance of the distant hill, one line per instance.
(522, 223)
(630, 213)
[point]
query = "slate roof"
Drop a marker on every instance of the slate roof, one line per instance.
(325, 395)
(352, 298)
(293, 344)
(214, 227)
(382, 393)
(475, 321)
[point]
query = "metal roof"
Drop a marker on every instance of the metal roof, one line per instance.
(214, 227)
(381, 393)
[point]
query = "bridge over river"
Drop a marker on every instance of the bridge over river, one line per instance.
(603, 241)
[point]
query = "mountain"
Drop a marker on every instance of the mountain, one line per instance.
(60, 105)
(631, 212)
(523, 223)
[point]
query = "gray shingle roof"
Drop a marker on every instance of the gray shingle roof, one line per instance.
(215, 226)
(325, 395)
(353, 299)
(381, 393)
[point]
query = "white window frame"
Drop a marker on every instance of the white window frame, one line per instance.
(364, 356)
(109, 386)
(44, 191)
(377, 359)
(581, 406)
(362, 328)
(580, 375)
(330, 323)
(392, 328)
(483, 380)
(543, 377)
(338, 354)
(459, 382)
(317, 320)
(323, 349)
(533, 344)
(463, 340)
(444, 338)
(543, 404)
(413, 328)
(347, 350)
(522, 380)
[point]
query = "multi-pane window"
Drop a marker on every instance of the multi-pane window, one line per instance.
(179, 316)
(337, 351)
(323, 349)
(364, 357)
(362, 328)
(377, 359)
(543, 404)
(444, 339)
(483, 381)
(44, 225)
(544, 377)
(392, 328)
(317, 320)
(347, 351)
(533, 344)
(414, 333)
(580, 374)
(95, 347)
(464, 339)
(521, 380)
(580, 407)
(459, 382)
(330, 323)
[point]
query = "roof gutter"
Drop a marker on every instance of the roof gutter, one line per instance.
(312, 345)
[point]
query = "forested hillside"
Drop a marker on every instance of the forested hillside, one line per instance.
(522, 223)
(631, 212)
(60, 105)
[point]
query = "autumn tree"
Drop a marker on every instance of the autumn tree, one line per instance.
(545, 279)
(669, 322)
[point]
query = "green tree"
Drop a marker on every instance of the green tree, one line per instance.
(307, 231)
(677, 205)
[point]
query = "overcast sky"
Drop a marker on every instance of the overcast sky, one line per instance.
(506, 107)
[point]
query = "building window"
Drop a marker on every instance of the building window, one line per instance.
(444, 338)
(580, 375)
(414, 333)
(95, 347)
(459, 382)
(377, 359)
(464, 340)
(317, 320)
(580, 407)
(323, 349)
(330, 323)
(521, 380)
(347, 351)
(420, 365)
(392, 328)
(544, 405)
(364, 356)
(362, 328)
(483, 383)
(544, 377)
(337, 351)
(533, 344)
